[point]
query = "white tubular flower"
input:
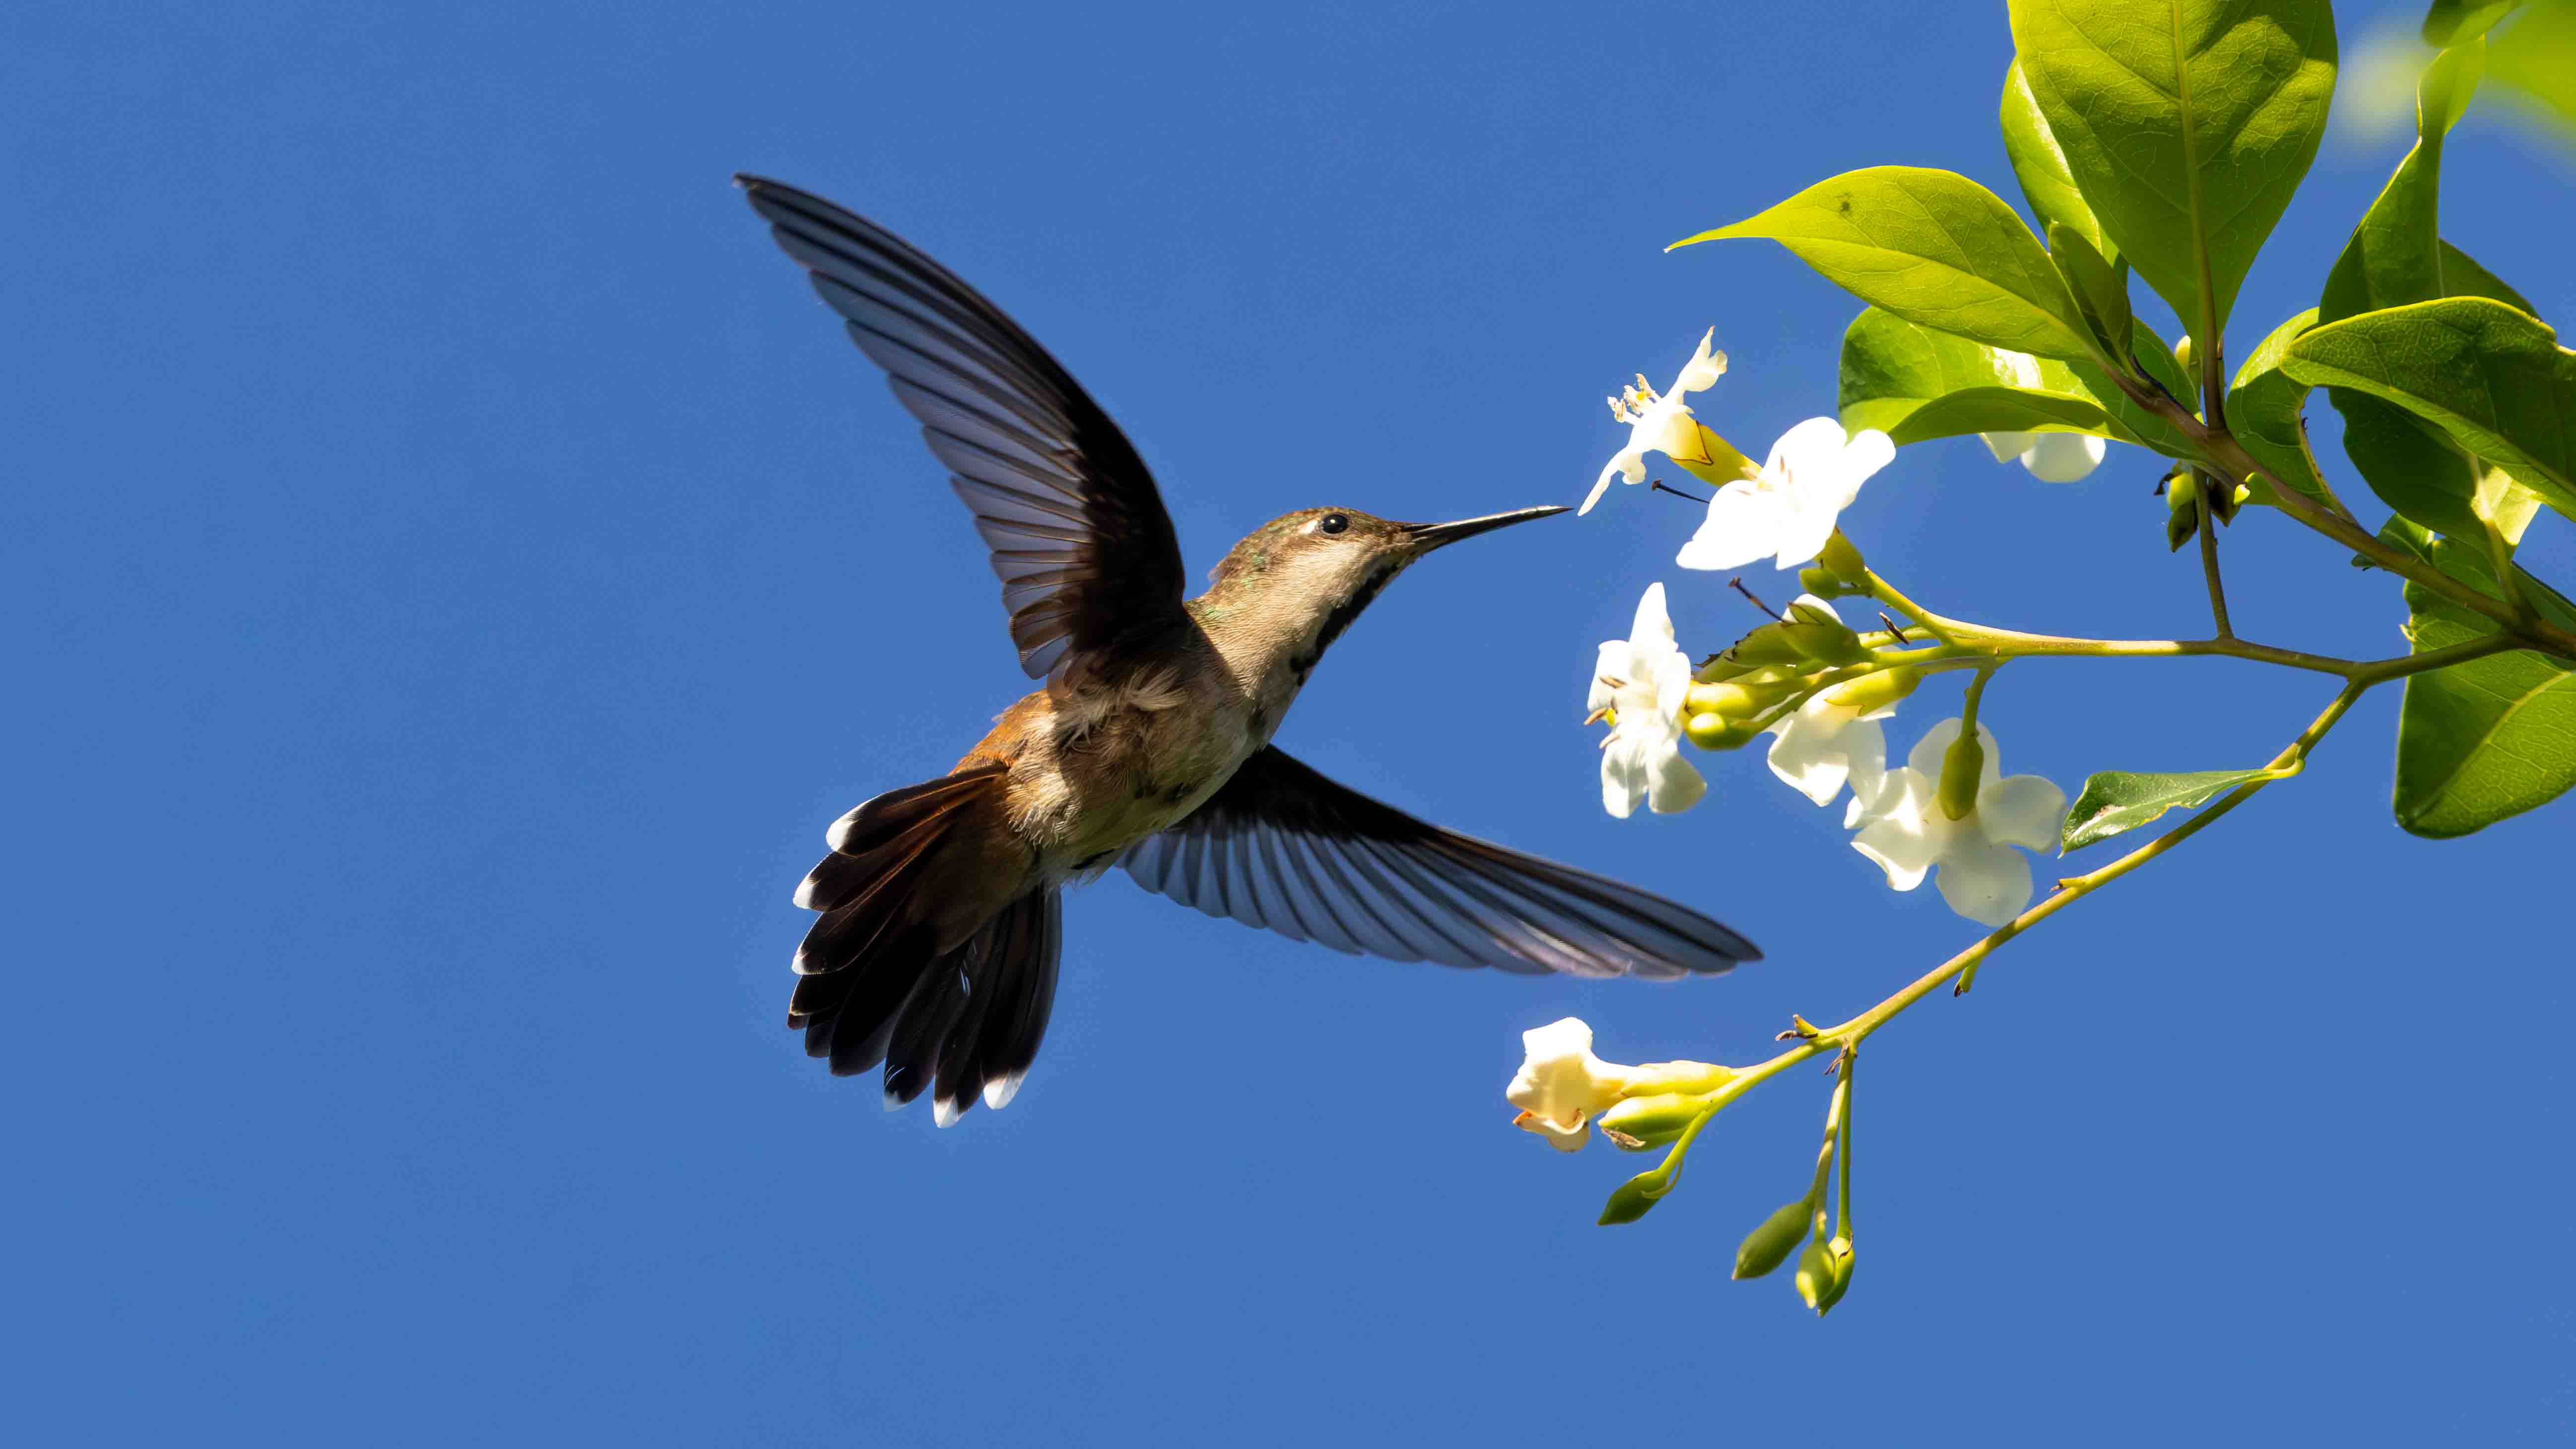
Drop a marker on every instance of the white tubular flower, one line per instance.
(1789, 508)
(1904, 829)
(1823, 745)
(1639, 683)
(2050, 457)
(1659, 422)
(1561, 1085)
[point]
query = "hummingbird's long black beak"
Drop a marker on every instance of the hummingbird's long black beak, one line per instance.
(1428, 536)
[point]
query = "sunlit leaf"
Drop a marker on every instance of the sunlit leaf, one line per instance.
(1929, 246)
(2116, 801)
(2491, 377)
(2452, 21)
(2265, 408)
(1914, 383)
(2481, 741)
(2187, 124)
(2040, 165)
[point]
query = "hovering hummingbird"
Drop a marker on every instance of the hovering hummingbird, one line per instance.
(1149, 746)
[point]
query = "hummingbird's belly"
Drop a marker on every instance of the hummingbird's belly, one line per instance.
(1079, 798)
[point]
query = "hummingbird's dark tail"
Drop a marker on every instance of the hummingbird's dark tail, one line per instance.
(890, 975)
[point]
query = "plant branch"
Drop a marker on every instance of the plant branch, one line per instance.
(2209, 556)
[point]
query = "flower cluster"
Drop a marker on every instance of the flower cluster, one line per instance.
(1821, 691)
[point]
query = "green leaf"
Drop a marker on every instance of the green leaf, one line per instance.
(2490, 376)
(2488, 739)
(2116, 801)
(2154, 357)
(1929, 246)
(1914, 383)
(2463, 277)
(2101, 288)
(2452, 21)
(2536, 60)
(2396, 256)
(2040, 165)
(2187, 124)
(2266, 410)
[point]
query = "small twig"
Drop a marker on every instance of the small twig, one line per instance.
(1737, 584)
(1660, 486)
(1893, 627)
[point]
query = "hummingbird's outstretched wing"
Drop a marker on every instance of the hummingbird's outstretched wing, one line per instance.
(1079, 537)
(1283, 847)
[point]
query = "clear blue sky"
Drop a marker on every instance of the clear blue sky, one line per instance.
(454, 570)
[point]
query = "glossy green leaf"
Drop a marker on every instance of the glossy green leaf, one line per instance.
(2266, 411)
(2463, 277)
(2481, 741)
(2452, 21)
(2396, 256)
(2491, 377)
(2117, 801)
(2040, 165)
(2535, 58)
(1932, 247)
(2101, 288)
(2154, 357)
(1914, 383)
(2187, 124)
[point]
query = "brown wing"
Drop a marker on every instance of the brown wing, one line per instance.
(1078, 533)
(1283, 847)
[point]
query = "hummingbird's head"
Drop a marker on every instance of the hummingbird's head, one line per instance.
(1322, 566)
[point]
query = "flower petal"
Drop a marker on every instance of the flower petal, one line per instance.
(1706, 366)
(1673, 783)
(1925, 757)
(1653, 625)
(2063, 457)
(1815, 445)
(1563, 1139)
(2007, 446)
(1743, 524)
(1623, 776)
(1983, 881)
(1806, 521)
(1869, 451)
(1896, 832)
(2024, 810)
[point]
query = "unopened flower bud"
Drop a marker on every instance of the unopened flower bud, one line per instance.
(1726, 697)
(1833, 1267)
(1651, 1121)
(1843, 559)
(2182, 352)
(1719, 731)
(1873, 692)
(1766, 645)
(1770, 1245)
(2182, 498)
(1821, 582)
(1815, 632)
(1963, 769)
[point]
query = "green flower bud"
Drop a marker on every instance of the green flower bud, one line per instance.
(1719, 731)
(1963, 769)
(2182, 498)
(1769, 1245)
(1824, 1274)
(2182, 352)
(1843, 559)
(1723, 697)
(1821, 582)
(1873, 692)
(1717, 667)
(1818, 635)
(1767, 645)
(1651, 1121)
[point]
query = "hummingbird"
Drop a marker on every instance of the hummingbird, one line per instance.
(1147, 745)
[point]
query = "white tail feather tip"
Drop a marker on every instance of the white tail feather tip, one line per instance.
(999, 1091)
(945, 1111)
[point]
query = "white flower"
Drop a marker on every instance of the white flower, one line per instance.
(1641, 682)
(1904, 829)
(1822, 745)
(1561, 1084)
(2050, 457)
(1788, 509)
(1659, 423)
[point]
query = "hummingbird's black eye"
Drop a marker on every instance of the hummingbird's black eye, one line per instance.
(1332, 523)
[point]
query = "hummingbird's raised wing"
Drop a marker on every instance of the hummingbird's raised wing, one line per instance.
(1283, 847)
(1078, 533)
